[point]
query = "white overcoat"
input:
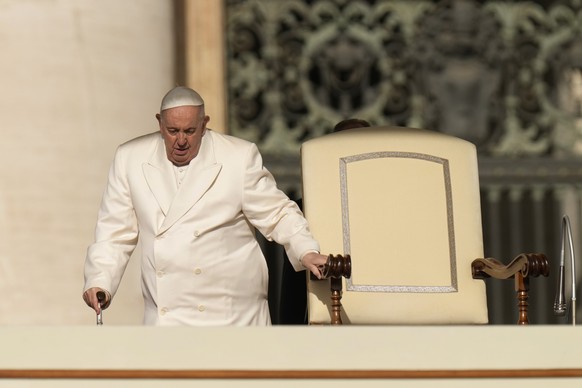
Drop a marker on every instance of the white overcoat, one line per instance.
(201, 263)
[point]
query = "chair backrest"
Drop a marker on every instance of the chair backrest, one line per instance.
(404, 204)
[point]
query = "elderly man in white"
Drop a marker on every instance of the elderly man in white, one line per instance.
(192, 198)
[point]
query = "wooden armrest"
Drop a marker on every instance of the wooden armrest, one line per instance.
(523, 267)
(528, 264)
(337, 266)
(334, 269)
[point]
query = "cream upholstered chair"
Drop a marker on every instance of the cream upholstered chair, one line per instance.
(403, 204)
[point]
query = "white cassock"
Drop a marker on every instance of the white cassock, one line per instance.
(201, 263)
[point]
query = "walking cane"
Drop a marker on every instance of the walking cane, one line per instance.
(101, 299)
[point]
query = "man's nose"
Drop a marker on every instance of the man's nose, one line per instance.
(181, 138)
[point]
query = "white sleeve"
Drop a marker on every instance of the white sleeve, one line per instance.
(116, 232)
(276, 216)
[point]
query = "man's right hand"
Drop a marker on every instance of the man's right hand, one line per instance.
(90, 297)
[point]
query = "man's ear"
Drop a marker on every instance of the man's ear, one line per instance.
(206, 120)
(159, 118)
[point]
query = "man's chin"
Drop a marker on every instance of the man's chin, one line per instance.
(180, 161)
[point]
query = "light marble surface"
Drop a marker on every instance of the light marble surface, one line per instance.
(449, 349)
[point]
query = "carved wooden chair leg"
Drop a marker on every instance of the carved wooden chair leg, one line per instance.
(336, 304)
(522, 290)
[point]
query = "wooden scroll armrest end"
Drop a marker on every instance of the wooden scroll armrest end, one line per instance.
(523, 267)
(526, 264)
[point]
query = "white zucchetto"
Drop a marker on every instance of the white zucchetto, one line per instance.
(181, 96)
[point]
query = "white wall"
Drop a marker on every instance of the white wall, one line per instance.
(77, 77)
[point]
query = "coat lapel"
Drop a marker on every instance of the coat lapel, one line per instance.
(160, 177)
(201, 173)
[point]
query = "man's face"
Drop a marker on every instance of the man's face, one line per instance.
(182, 129)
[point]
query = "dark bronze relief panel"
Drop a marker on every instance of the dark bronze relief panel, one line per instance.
(505, 75)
